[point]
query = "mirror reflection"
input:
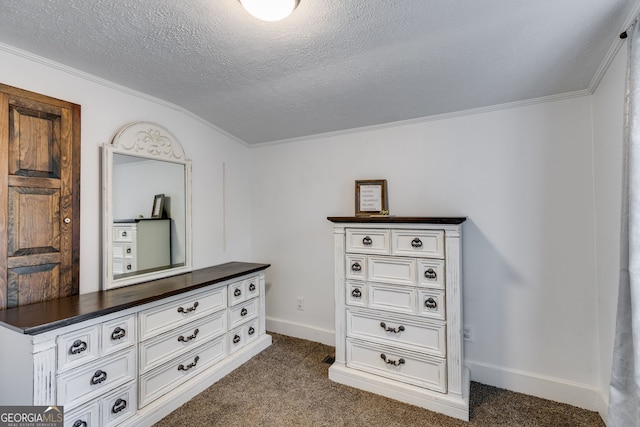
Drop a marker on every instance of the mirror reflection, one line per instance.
(147, 206)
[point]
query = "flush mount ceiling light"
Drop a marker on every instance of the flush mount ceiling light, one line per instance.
(269, 10)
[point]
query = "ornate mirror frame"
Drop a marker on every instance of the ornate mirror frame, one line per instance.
(147, 141)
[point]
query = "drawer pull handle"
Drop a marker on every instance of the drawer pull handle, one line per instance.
(77, 347)
(356, 267)
(128, 250)
(416, 243)
(120, 405)
(356, 293)
(98, 377)
(118, 333)
(389, 329)
(128, 266)
(367, 241)
(243, 312)
(251, 330)
(188, 310)
(392, 362)
(80, 423)
(430, 274)
(190, 337)
(252, 287)
(190, 365)
(124, 234)
(431, 303)
(236, 339)
(237, 292)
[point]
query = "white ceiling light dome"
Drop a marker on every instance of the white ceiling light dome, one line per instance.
(270, 10)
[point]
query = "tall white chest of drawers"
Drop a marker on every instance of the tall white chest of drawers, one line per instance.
(398, 293)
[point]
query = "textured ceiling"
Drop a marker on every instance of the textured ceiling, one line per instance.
(333, 64)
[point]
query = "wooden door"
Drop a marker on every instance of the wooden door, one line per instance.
(39, 197)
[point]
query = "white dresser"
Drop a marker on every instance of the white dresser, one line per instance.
(142, 244)
(130, 356)
(398, 293)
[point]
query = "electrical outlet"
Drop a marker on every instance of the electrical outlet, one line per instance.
(467, 333)
(300, 302)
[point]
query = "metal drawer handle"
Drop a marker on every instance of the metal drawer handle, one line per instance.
(128, 250)
(389, 329)
(80, 423)
(128, 266)
(237, 292)
(356, 267)
(188, 310)
(190, 365)
(416, 243)
(98, 377)
(118, 333)
(356, 293)
(77, 347)
(366, 241)
(190, 337)
(392, 362)
(124, 234)
(236, 339)
(252, 287)
(251, 330)
(430, 274)
(243, 312)
(120, 405)
(431, 303)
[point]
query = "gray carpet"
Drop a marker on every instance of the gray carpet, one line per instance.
(287, 385)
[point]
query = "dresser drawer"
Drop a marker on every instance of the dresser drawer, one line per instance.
(118, 405)
(401, 271)
(167, 377)
(242, 313)
(169, 345)
(123, 234)
(399, 299)
(431, 303)
(417, 243)
(243, 291)
(117, 334)
(123, 250)
(431, 273)
(160, 319)
(84, 416)
(78, 347)
(408, 333)
(367, 241)
(243, 335)
(88, 382)
(356, 293)
(398, 364)
(356, 267)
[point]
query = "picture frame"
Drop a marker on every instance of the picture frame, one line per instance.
(371, 197)
(158, 206)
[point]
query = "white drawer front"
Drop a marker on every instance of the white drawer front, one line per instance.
(418, 243)
(243, 335)
(171, 344)
(160, 319)
(408, 333)
(78, 347)
(431, 304)
(85, 416)
(242, 313)
(123, 234)
(356, 293)
(118, 334)
(79, 385)
(431, 273)
(167, 377)
(122, 250)
(119, 405)
(356, 267)
(392, 270)
(243, 291)
(401, 365)
(252, 287)
(121, 266)
(368, 241)
(401, 299)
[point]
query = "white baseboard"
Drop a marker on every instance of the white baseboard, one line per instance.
(298, 330)
(557, 389)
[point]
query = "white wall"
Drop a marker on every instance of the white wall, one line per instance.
(104, 111)
(608, 112)
(522, 175)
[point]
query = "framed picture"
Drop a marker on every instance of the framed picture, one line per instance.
(371, 197)
(158, 206)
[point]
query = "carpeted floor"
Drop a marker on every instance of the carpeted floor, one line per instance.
(287, 385)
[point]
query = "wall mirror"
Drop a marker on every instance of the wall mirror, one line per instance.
(146, 192)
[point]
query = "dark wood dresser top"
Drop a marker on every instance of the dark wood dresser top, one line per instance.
(41, 317)
(399, 219)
